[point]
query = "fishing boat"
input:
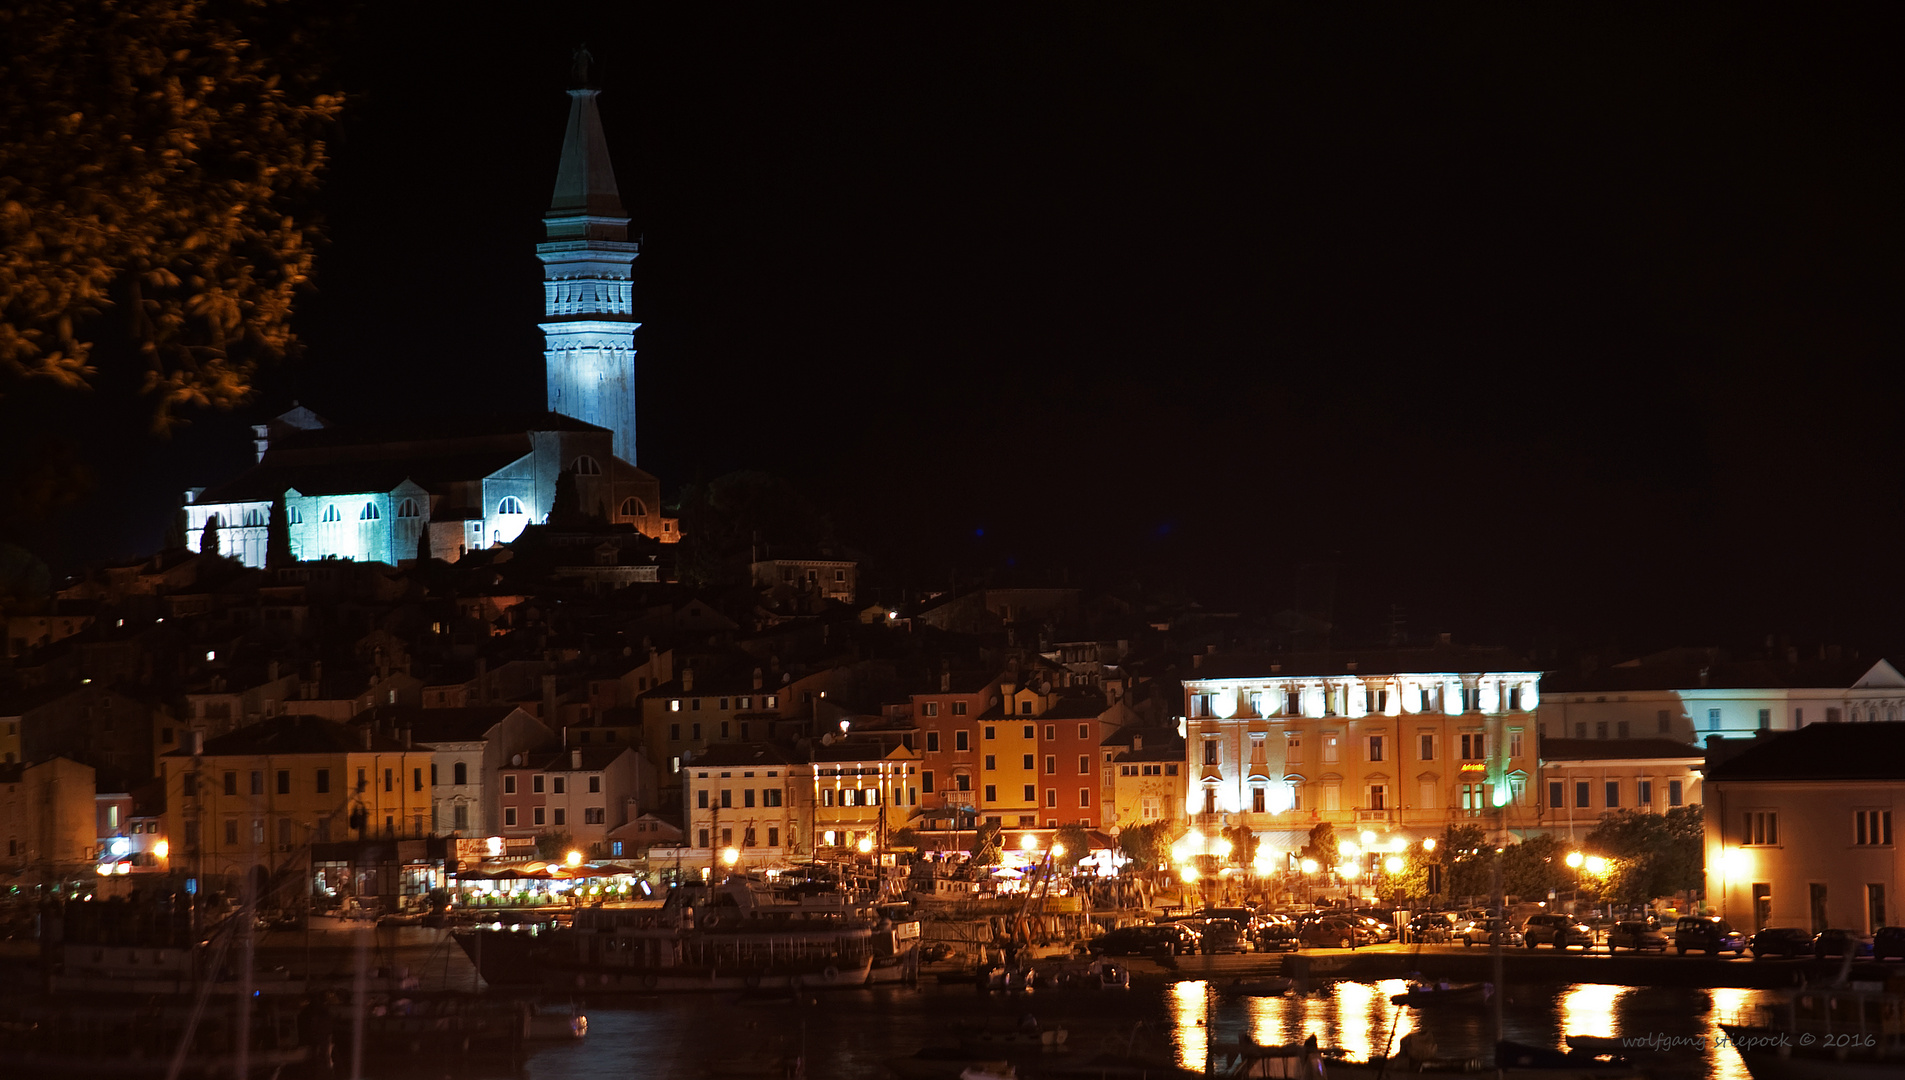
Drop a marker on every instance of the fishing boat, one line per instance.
(1848, 1031)
(1441, 992)
(737, 936)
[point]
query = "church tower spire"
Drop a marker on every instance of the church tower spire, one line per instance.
(588, 297)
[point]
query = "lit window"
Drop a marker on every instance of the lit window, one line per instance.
(407, 508)
(510, 506)
(585, 466)
(294, 515)
(632, 507)
(369, 512)
(331, 513)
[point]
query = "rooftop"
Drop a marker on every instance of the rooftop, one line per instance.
(1821, 752)
(1616, 749)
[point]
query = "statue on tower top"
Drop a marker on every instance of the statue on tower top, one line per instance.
(579, 64)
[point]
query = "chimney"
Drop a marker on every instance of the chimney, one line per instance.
(198, 743)
(757, 678)
(482, 680)
(687, 680)
(1197, 660)
(945, 682)
(548, 698)
(406, 737)
(575, 759)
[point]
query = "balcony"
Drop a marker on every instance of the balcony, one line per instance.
(1365, 815)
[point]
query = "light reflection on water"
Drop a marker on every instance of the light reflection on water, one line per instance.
(1358, 1019)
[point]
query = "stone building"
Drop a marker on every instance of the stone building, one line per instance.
(47, 819)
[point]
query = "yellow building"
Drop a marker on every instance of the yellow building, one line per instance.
(1148, 780)
(47, 819)
(256, 799)
(858, 784)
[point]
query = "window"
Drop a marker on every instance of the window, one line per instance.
(1872, 827)
(926, 781)
(1472, 799)
(747, 798)
(964, 781)
(562, 816)
(231, 783)
(1051, 732)
(1084, 731)
(561, 785)
(694, 730)
(1644, 793)
(537, 816)
(1051, 796)
(390, 779)
(509, 816)
(1428, 748)
(1555, 799)
(594, 815)
(294, 515)
(585, 465)
(1621, 729)
(1031, 793)
(1084, 764)
(727, 798)
(323, 781)
(595, 785)
(1474, 747)
(959, 708)
(932, 742)
(1766, 719)
(992, 762)
(1210, 751)
(535, 783)
(1256, 800)
(992, 793)
(231, 832)
(1025, 708)
(1514, 743)
(1378, 797)
(1051, 764)
(1580, 730)
(1375, 748)
(284, 781)
(962, 740)
(633, 507)
(511, 506)
(1673, 793)
(369, 512)
(1025, 762)
(331, 513)
(770, 796)
(459, 773)
(1761, 827)
(929, 708)
(1580, 793)
(416, 779)
(1613, 794)
(1664, 719)
(1713, 719)
(461, 817)
(991, 733)
(407, 508)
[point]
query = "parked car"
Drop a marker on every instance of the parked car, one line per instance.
(1278, 934)
(1708, 934)
(1138, 940)
(1781, 941)
(1340, 932)
(1832, 944)
(1434, 926)
(1636, 935)
(1560, 931)
(1888, 942)
(1220, 935)
(1487, 932)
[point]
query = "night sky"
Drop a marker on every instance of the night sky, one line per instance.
(1549, 328)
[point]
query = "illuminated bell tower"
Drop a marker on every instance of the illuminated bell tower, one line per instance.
(588, 298)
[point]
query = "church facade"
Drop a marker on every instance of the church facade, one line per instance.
(444, 488)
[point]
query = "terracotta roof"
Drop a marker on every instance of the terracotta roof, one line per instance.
(1821, 752)
(1604, 749)
(296, 735)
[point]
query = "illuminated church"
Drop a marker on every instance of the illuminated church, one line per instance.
(449, 487)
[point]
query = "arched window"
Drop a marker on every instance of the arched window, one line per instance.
(254, 517)
(407, 508)
(331, 513)
(585, 466)
(293, 515)
(510, 505)
(632, 507)
(369, 512)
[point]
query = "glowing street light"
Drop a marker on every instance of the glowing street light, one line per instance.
(1309, 866)
(1393, 864)
(1429, 844)
(730, 856)
(1368, 838)
(574, 858)
(1188, 874)
(162, 849)
(865, 845)
(1028, 842)
(1595, 864)
(1346, 848)
(1574, 859)
(1058, 851)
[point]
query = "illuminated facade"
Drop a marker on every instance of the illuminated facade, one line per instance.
(1800, 827)
(1582, 779)
(1419, 738)
(445, 489)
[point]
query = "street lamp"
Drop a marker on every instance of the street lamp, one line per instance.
(1393, 864)
(1574, 859)
(865, 845)
(574, 858)
(730, 856)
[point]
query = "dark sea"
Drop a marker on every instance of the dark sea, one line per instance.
(852, 1034)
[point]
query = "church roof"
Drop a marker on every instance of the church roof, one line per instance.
(585, 179)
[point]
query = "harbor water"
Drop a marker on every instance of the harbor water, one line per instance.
(853, 1034)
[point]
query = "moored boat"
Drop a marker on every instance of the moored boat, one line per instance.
(1441, 992)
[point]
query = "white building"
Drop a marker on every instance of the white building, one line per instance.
(469, 749)
(1800, 827)
(1692, 694)
(1377, 741)
(385, 494)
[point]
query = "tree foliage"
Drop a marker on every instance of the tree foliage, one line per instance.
(1076, 842)
(1322, 845)
(1144, 845)
(1243, 844)
(1534, 866)
(153, 163)
(553, 846)
(1651, 854)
